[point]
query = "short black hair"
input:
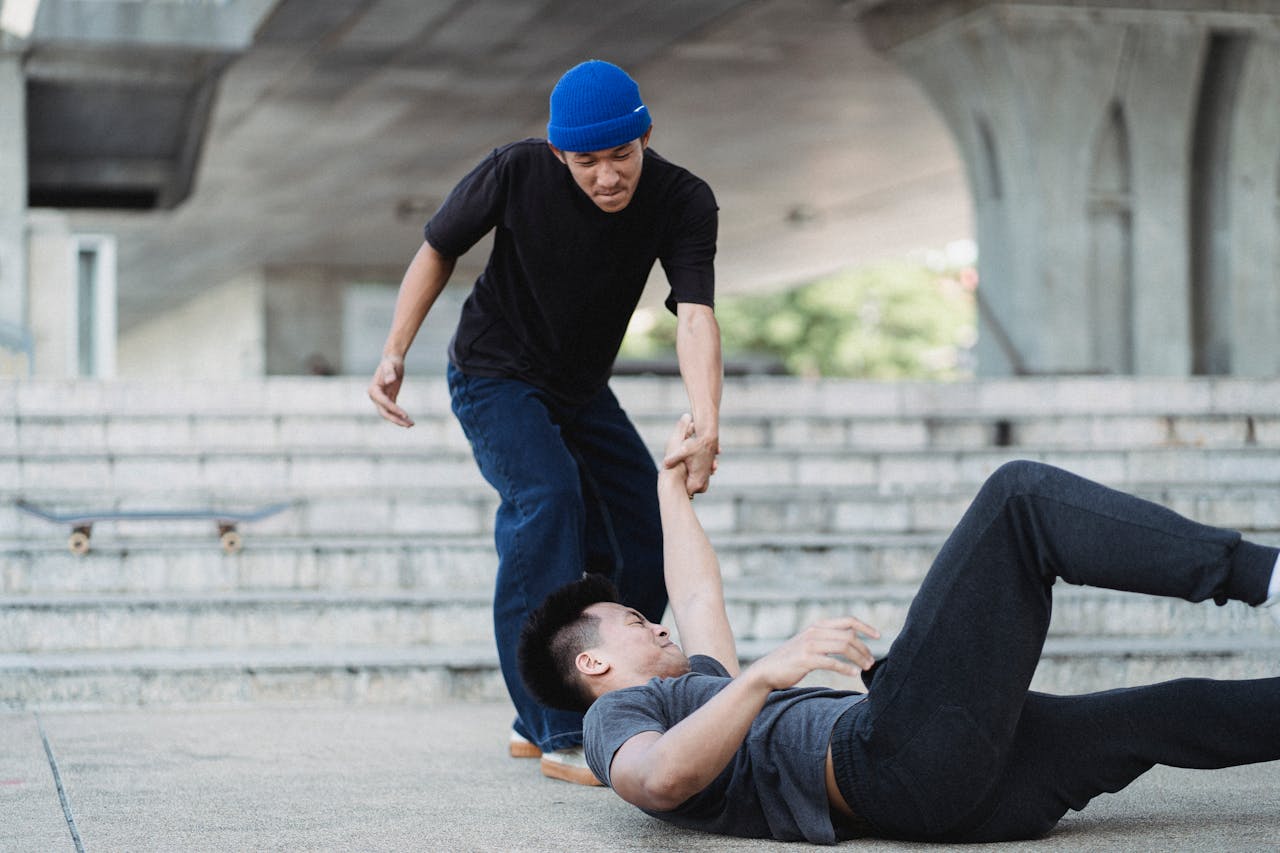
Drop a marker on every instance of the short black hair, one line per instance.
(552, 637)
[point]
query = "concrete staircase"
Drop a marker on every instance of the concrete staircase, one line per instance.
(375, 585)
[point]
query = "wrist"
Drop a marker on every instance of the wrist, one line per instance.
(753, 680)
(707, 431)
(706, 422)
(672, 478)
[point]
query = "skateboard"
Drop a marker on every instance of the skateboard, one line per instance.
(82, 522)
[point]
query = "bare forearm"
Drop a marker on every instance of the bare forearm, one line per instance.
(701, 366)
(690, 755)
(664, 770)
(698, 349)
(692, 575)
(423, 281)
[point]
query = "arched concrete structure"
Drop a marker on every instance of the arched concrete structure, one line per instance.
(338, 127)
(1122, 162)
(1121, 155)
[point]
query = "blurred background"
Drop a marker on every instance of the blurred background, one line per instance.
(232, 189)
(952, 232)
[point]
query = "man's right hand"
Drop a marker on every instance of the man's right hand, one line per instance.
(385, 387)
(676, 448)
(814, 648)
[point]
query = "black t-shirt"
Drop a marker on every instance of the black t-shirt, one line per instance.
(564, 277)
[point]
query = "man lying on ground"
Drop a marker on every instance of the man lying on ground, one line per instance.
(948, 744)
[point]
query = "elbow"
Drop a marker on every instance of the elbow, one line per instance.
(443, 260)
(664, 792)
(697, 319)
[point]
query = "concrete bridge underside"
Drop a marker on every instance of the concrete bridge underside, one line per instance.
(338, 126)
(1118, 156)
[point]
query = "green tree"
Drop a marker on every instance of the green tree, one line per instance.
(894, 320)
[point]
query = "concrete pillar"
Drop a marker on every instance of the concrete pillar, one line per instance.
(336, 319)
(303, 320)
(216, 335)
(1253, 247)
(13, 190)
(53, 295)
(1123, 164)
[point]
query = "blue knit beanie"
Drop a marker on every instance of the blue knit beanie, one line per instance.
(596, 105)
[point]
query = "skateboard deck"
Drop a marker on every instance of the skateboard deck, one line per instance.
(82, 522)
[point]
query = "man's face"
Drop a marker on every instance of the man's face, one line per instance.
(609, 177)
(634, 646)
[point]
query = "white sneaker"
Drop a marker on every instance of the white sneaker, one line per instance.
(520, 746)
(569, 765)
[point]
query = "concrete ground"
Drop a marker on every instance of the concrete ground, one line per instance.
(438, 778)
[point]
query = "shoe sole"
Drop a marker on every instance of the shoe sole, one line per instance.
(576, 775)
(524, 749)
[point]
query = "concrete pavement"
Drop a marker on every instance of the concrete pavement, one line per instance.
(436, 777)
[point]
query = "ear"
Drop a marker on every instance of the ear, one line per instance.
(589, 663)
(644, 140)
(556, 151)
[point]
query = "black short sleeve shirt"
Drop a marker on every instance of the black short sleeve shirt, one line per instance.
(564, 277)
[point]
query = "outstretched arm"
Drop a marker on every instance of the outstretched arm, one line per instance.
(661, 770)
(691, 569)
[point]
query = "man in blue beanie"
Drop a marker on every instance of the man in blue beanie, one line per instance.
(579, 220)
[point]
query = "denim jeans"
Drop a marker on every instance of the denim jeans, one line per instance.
(951, 745)
(578, 494)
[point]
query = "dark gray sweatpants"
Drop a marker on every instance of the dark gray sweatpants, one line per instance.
(952, 746)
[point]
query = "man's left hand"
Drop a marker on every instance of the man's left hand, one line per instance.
(697, 452)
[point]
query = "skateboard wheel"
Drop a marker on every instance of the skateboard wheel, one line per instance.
(78, 542)
(231, 541)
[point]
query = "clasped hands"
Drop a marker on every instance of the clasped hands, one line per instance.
(693, 452)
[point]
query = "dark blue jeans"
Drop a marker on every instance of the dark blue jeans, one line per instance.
(578, 490)
(952, 746)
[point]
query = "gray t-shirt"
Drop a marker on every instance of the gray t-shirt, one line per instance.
(775, 785)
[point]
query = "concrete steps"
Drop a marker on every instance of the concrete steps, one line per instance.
(374, 586)
(414, 675)
(326, 673)
(433, 514)
(408, 494)
(812, 561)
(124, 432)
(72, 623)
(324, 472)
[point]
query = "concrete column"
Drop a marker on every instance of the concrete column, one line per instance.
(1158, 92)
(1125, 208)
(216, 335)
(303, 320)
(53, 294)
(1253, 251)
(13, 191)
(336, 318)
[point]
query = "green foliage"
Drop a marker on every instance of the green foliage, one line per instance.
(892, 321)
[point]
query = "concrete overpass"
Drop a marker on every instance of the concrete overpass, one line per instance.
(338, 126)
(1119, 157)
